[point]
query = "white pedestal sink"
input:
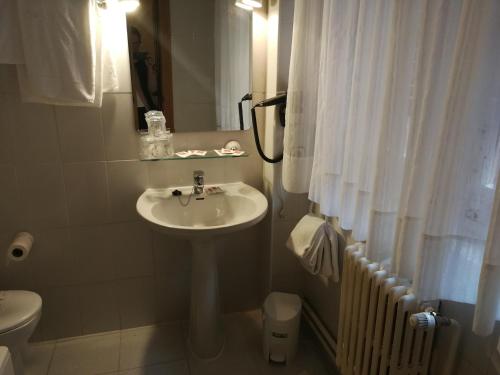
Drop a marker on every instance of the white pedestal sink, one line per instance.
(200, 219)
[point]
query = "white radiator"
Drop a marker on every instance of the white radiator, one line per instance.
(374, 335)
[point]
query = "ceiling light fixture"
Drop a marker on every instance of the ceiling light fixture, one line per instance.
(253, 3)
(129, 5)
(239, 4)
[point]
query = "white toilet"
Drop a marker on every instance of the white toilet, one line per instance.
(5, 362)
(20, 312)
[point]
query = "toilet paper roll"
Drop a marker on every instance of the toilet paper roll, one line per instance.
(20, 247)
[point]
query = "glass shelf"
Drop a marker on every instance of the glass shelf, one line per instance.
(209, 155)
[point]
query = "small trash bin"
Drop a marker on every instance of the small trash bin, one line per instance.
(281, 316)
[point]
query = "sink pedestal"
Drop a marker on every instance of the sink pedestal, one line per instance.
(206, 338)
(238, 207)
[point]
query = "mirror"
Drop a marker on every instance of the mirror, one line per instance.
(191, 59)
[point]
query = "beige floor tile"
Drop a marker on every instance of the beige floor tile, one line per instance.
(37, 358)
(161, 350)
(151, 345)
(174, 368)
(307, 362)
(242, 335)
(243, 352)
(87, 355)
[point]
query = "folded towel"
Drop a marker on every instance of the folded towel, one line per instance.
(314, 242)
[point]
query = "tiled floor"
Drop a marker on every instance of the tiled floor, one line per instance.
(161, 350)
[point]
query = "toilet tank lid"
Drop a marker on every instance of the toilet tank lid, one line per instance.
(18, 307)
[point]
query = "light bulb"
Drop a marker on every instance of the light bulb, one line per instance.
(253, 3)
(239, 4)
(129, 5)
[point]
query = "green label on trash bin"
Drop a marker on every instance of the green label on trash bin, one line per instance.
(280, 335)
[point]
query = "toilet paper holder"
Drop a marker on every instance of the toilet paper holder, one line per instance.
(20, 247)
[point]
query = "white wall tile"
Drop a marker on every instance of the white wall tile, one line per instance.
(171, 254)
(61, 313)
(51, 258)
(35, 136)
(93, 249)
(86, 191)
(127, 181)
(158, 173)
(80, 134)
(288, 283)
(172, 296)
(295, 206)
(120, 137)
(283, 259)
(43, 194)
(136, 301)
(133, 250)
(99, 308)
(172, 257)
(244, 169)
(8, 150)
(242, 289)
(180, 172)
(12, 212)
(213, 168)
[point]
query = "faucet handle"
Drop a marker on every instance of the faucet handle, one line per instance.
(198, 173)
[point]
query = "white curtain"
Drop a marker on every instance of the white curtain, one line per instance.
(488, 299)
(232, 63)
(407, 139)
(302, 96)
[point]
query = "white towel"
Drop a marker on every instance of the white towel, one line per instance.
(65, 55)
(314, 241)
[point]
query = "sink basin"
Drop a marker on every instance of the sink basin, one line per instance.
(239, 206)
(200, 219)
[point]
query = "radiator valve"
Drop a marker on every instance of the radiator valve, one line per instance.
(427, 320)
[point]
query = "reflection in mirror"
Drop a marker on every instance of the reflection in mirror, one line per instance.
(191, 59)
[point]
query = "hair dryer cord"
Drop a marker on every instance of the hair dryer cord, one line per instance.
(257, 142)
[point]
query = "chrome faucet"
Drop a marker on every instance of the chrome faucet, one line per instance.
(198, 182)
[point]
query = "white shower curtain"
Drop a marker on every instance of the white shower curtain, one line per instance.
(407, 139)
(232, 63)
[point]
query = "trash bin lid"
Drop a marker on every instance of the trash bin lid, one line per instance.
(282, 306)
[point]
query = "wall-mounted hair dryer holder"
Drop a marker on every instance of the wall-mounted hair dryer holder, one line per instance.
(279, 101)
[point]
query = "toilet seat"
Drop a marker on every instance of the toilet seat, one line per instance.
(17, 307)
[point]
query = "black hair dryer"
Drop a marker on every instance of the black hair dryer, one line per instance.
(279, 101)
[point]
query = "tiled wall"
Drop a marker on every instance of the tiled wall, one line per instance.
(71, 177)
